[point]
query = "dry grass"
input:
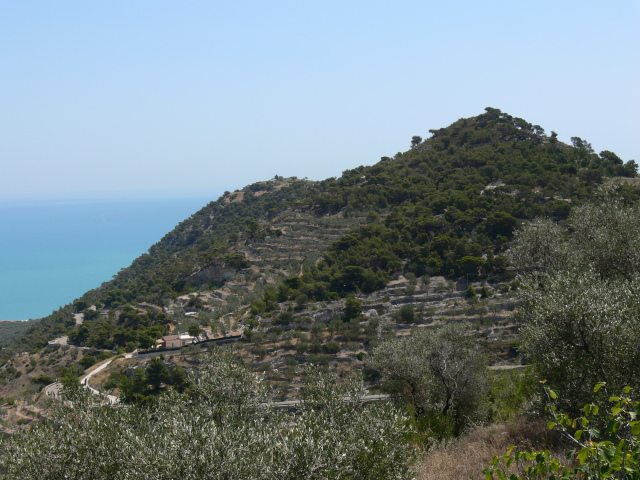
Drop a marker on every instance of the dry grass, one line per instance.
(470, 454)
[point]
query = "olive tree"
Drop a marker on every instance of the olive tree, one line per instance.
(579, 288)
(224, 427)
(602, 235)
(438, 371)
(580, 329)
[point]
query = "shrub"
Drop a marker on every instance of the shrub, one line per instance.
(580, 293)
(439, 373)
(353, 307)
(87, 361)
(470, 292)
(319, 359)
(332, 348)
(260, 351)
(408, 314)
(607, 441)
(223, 428)
(317, 329)
(291, 361)
(110, 384)
(508, 392)
(315, 347)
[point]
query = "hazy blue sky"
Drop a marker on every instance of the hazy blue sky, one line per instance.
(124, 98)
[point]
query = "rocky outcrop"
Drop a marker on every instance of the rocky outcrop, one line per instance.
(215, 273)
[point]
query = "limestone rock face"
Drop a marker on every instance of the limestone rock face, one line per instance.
(217, 272)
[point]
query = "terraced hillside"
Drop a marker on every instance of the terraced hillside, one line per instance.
(302, 241)
(327, 269)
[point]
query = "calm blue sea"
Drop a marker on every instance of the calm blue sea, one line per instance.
(52, 253)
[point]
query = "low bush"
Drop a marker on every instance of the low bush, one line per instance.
(43, 379)
(606, 442)
(332, 348)
(319, 359)
(223, 428)
(87, 361)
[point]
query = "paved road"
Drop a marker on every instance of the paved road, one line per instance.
(292, 404)
(85, 381)
(53, 390)
(202, 345)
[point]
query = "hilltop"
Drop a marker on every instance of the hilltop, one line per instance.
(325, 270)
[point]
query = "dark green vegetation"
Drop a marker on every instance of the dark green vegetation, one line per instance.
(132, 328)
(10, 331)
(146, 384)
(448, 206)
(401, 274)
(581, 303)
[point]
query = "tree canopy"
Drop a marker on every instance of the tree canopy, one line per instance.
(438, 371)
(223, 428)
(580, 290)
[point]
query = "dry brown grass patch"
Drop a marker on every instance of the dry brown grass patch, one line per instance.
(470, 454)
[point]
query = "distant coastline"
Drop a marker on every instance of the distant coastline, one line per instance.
(52, 252)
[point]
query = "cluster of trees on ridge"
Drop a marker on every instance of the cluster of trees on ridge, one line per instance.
(580, 330)
(448, 206)
(579, 283)
(439, 216)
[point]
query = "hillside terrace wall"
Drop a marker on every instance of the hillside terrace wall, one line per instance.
(217, 341)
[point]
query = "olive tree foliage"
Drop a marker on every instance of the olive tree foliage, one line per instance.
(539, 247)
(438, 371)
(225, 428)
(607, 438)
(581, 305)
(580, 329)
(602, 235)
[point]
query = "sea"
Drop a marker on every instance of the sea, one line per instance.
(52, 251)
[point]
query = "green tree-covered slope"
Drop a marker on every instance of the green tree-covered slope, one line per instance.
(10, 331)
(447, 206)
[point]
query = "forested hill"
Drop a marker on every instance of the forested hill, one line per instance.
(447, 206)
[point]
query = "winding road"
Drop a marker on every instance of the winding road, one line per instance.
(85, 381)
(53, 390)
